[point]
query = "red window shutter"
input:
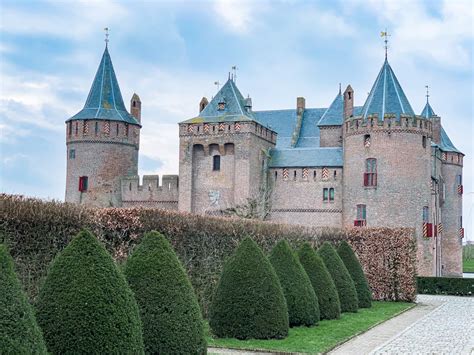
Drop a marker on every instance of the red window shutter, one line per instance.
(366, 179)
(429, 231)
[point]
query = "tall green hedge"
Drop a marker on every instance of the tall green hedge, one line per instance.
(364, 295)
(323, 284)
(303, 308)
(446, 286)
(85, 305)
(19, 332)
(342, 279)
(249, 301)
(172, 321)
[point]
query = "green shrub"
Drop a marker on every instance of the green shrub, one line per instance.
(85, 305)
(249, 301)
(446, 286)
(364, 295)
(323, 284)
(301, 300)
(170, 313)
(341, 277)
(19, 332)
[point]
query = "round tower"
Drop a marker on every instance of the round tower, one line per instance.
(102, 143)
(387, 164)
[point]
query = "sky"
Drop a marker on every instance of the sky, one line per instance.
(172, 52)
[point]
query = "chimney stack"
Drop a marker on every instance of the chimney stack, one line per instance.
(203, 104)
(300, 104)
(348, 102)
(136, 107)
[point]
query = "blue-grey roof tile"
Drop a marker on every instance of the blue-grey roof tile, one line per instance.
(334, 114)
(386, 96)
(104, 101)
(306, 157)
(427, 111)
(446, 144)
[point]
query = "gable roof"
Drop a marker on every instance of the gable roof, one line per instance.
(334, 114)
(105, 99)
(306, 157)
(234, 107)
(386, 96)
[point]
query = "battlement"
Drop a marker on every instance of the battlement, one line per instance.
(407, 123)
(150, 193)
(205, 129)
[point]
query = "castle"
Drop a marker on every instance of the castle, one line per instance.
(376, 165)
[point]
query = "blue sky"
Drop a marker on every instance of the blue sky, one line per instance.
(171, 53)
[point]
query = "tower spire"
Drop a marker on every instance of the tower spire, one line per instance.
(427, 93)
(386, 35)
(106, 29)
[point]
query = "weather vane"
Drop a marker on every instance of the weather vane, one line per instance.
(234, 73)
(216, 83)
(386, 35)
(106, 36)
(427, 92)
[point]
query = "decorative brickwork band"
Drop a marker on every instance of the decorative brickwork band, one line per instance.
(221, 126)
(461, 232)
(307, 210)
(460, 189)
(325, 174)
(444, 156)
(440, 228)
(207, 128)
(190, 128)
(286, 173)
(305, 173)
(107, 128)
(237, 126)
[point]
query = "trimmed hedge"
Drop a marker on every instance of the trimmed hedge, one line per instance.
(172, 321)
(322, 282)
(85, 305)
(35, 231)
(342, 279)
(355, 270)
(249, 301)
(19, 332)
(301, 300)
(446, 286)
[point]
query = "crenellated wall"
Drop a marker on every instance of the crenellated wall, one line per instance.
(297, 196)
(150, 193)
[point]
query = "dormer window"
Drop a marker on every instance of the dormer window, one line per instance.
(221, 105)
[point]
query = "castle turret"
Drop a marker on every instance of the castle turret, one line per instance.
(387, 155)
(102, 142)
(136, 107)
(223, 154)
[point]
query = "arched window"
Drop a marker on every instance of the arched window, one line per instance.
(216, 163)
(370, 175)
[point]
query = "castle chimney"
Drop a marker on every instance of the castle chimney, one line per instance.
(203, 103)
(136, 107)
(436, 124)
(348, 102)
(300, 104)
(248, 104)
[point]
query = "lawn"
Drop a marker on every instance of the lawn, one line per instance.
(468, 265)
(323, 337)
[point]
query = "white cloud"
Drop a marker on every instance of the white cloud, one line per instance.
(239, 16)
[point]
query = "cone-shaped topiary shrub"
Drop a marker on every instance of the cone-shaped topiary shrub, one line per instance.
(341, 277)
(85, 305)
(19, 332)
(249, 301)
(329, 305)
(352, 264)
(301, 300)
(172, 320)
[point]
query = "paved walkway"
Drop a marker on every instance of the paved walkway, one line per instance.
(438, 325)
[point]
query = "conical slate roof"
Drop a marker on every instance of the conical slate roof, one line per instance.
(386, 96)
(234, 107)
(105, 99)
(334, 114)
(427, 111)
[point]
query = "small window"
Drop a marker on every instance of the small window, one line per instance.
(349, 95)
(361, 213)
(77, 128)
(130, 185)
(276, 174)
(370, 175)
(70, 128)
(367, 140)
(314, 174)
(96, 128)
(216, 163)
(127, 129)
(335, 174)
(331, 194)
(294, 175)
(426, 214)
(83, 183)
(459, 179)
(423, 141)
(134, 104)
(72, 154)
(117, 130)
(325, 194)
